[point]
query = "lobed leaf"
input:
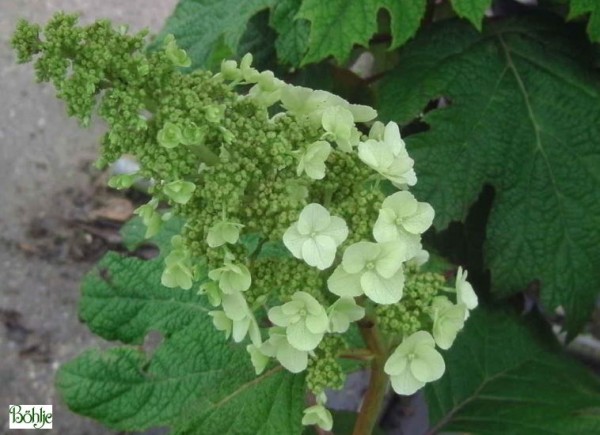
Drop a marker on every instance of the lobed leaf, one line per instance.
(195, 381)
(200, 26)
(524, 118)
(506, 376)
(338, 25)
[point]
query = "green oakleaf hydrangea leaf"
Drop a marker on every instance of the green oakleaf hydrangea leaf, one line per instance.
(472, 10)
(337, 25)
(199, 25)
(292, 40)
(523, 116)
(194, 382)
(506, 375)
(582, 7)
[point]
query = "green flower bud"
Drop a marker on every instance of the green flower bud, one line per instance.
(179, 191)
(170, 135)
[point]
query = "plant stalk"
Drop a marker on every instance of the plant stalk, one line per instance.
(373, 400)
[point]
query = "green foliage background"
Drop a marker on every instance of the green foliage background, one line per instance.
(502, 116)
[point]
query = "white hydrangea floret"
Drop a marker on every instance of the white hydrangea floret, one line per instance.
(389, 157)
(304, 318)
(258, 358)
(310, 104)
(414, 363)
(232, 277)
(316, 235)
(318, 415)
(374, 269)
(223, 232)
(338, 124)
(402, 217)
(178, 271)
(343, 312)
(448, 320)
(464, 291)
(278, 347)
(243, 321)
(312, 161)
(222, 322)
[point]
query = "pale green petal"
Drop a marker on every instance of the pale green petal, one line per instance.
(395, 364)
(317, 324)
(240, 329)
(293, 360)
(343, 283)
(343, 312)
(385, 228)
(358, 254)
(419, 222)
(278, 317)
(433, 361)
(259, 360)
(223, 232)
(392, 139)
(338, 322)
(254, 331)
(235, 306)
(464, 290)
(381, 290)
(309, 302)
(300, 337)
(420, 338)
(222, 322)
(319, 252)
(391, 258)
(338, 121)
(318, 415)
(374, 154)
(177, 275)
(362, 113)
(405, 383)
(292, 307)
(236, 278)
(293, 240)
(401, 203)
(337, 230)
(313, 218)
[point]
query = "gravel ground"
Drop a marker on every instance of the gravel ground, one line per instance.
(45, 177)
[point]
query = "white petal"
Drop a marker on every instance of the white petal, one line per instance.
(419, 222)
(301, 338)
(292, 359)
(402, 203)
(319, 252)
(293, 240)
(391, 258)
(362, 113)
(314, 217)
(392, 138)
(374, 154)
(337, 230)
(343, 283)
(431, 365)
(357, 255)
(278, 317)
(235, 306)
(396, 363)
(317, 324)
(240, 329)
(381, 290)
(405, 383)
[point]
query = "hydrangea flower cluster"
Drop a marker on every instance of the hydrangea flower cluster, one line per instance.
(288, 232)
